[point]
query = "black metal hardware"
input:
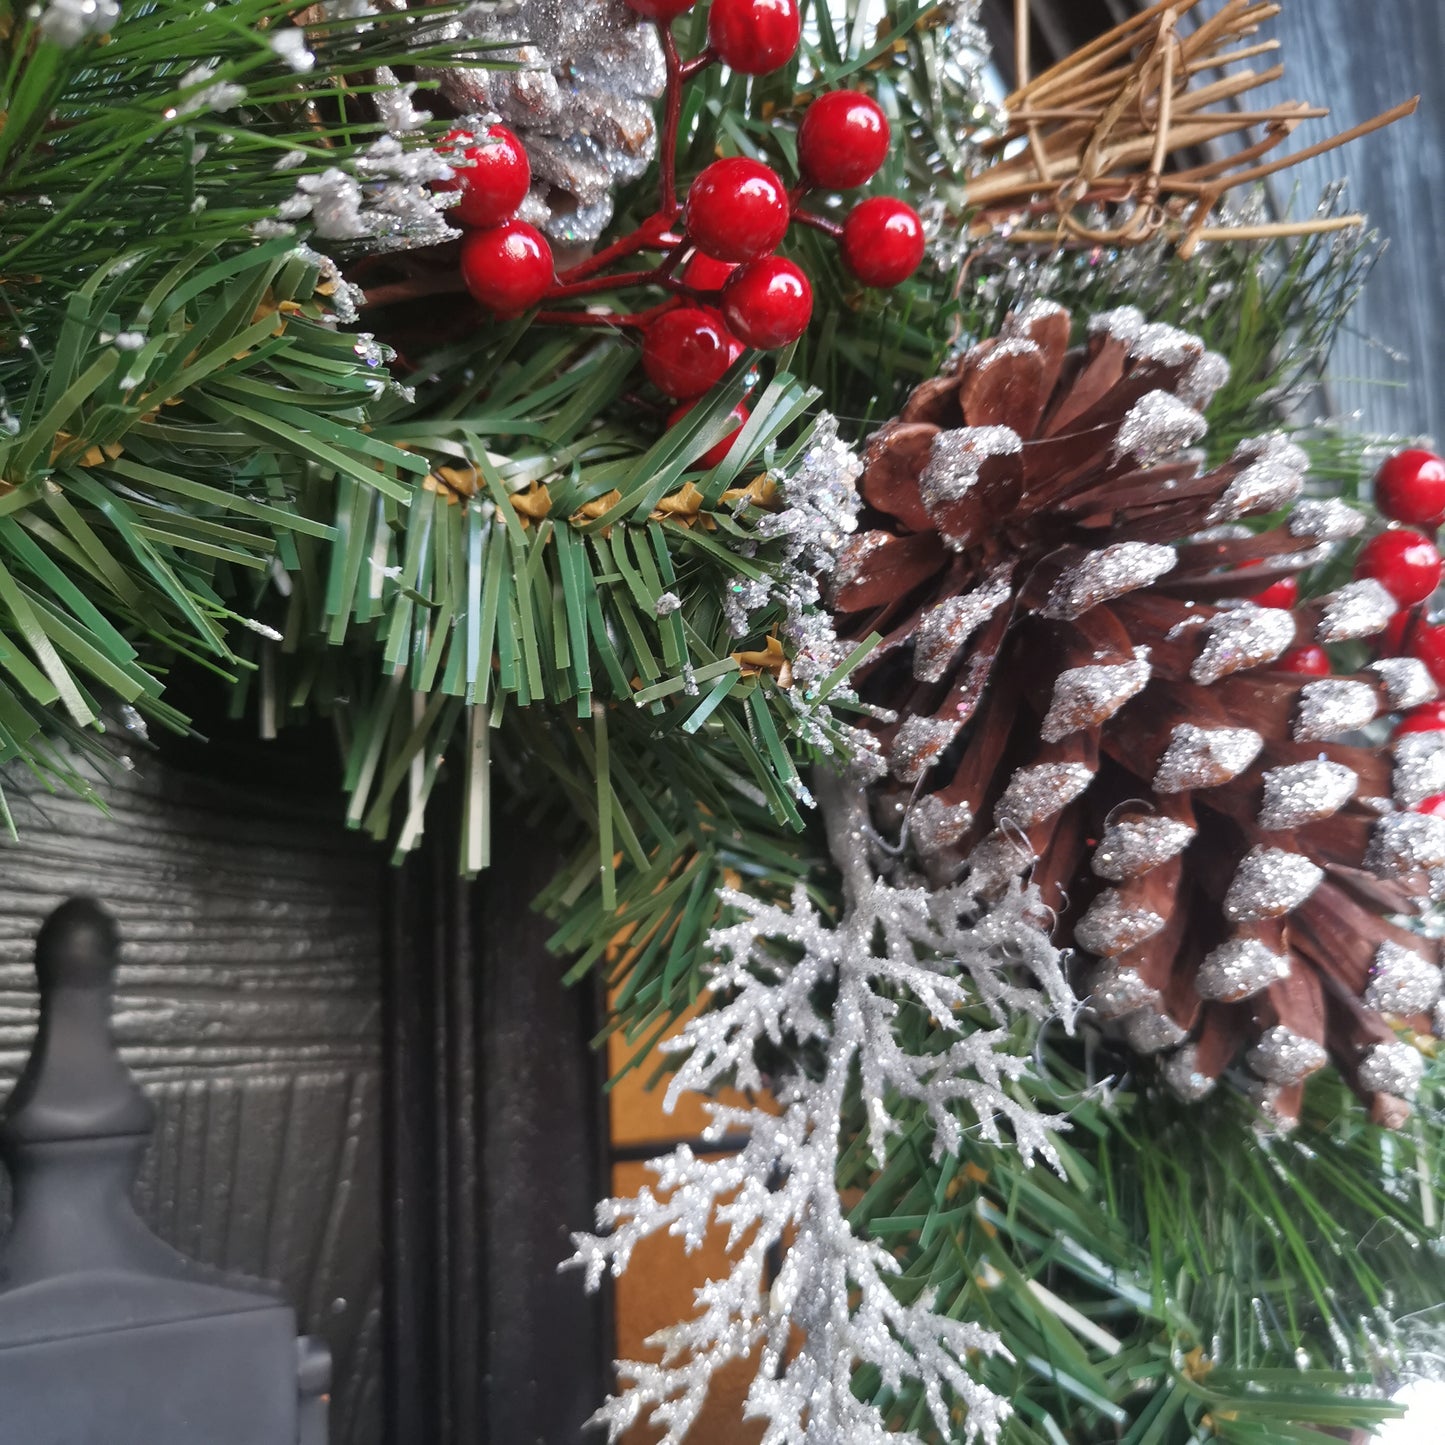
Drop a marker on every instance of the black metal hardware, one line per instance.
(107, 1335)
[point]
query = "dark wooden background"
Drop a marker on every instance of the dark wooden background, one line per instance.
(1360, 57)
(372, 1087)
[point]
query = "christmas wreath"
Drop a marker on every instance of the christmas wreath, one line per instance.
(872, 513)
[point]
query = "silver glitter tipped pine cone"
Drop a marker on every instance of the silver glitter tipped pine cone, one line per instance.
(1075, 686)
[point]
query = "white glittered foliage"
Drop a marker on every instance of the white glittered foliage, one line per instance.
(830, 1309)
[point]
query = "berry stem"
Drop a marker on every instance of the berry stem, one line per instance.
(584, 318)
(635, 320)
(657, 276)
(818, 223)
(698, 63)
(667, 203)
(628, 245)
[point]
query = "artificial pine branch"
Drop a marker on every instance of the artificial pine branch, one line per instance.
(171, 380)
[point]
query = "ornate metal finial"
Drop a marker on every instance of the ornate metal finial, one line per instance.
(106, 1333)
(75, 1085)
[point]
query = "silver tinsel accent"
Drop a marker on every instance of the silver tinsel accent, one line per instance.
(1205, 757)
(1084, 697)
(808, 1334)
(957, 457)
(68, 22)
(1326, 519)
(944, 629)
(1181, 1073)
(1239, 637)
(1157, 426)
(581, 99)
(1394, 1068)
(936, 825)
(1406, 680)
(1358, 609)
(1401, 981)
(1116, 989)
(1110, 924)
(1108, 573)
(1406, 843)
(1269, 882)
(1272, 473)
(1038, 792)
(1239, 969)
(1332, 706)
(1419, 771)
(967, 58)
(1301, 793)
(1285, 1057)
(1136, 845)
(667, 603)
(918, 744)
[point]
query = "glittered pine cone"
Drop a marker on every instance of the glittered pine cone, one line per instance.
(1071, 683)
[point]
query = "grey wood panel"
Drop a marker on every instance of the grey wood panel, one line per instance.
(248, 1004)
(1360, 57)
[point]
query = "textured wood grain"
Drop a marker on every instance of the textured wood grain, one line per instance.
(248, 1005)
(1360, 59)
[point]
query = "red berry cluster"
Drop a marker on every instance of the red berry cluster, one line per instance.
(1410, 489)
(506, 264)
(716, 250)
(1410, 494)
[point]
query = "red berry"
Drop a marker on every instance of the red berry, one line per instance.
(663, 10)
(1410, 487)
(1429, 717)
(737, 210)
(1406, 563)
(1434, 806)
(1392, 639)
(1284, 593)
(754, 36)
(1311, 661)
(715, 453)
(707, 273)
(843, 140)
(768, 303)
(686, 351)
(882, 241)
(493, 179)
(1428, 644)
(507, 268)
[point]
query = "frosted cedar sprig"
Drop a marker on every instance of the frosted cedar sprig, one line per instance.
(832, 1308)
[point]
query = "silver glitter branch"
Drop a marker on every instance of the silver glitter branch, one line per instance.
(831, 1308)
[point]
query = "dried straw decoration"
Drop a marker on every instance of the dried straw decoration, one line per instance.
(1121, 122)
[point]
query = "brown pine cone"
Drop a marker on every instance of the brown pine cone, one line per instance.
(1076, 687)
